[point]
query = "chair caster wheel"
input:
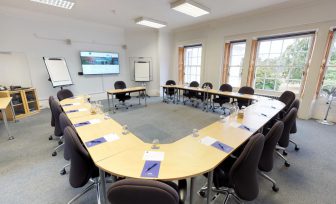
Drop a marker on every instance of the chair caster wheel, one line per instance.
(127, 108)
(275, 188)
(50, 137)
(284, 153)
(202, 194)
(60, 142)
(63, 172)
(297, 148)
(287, 164)
(116, 108)
(54, 154)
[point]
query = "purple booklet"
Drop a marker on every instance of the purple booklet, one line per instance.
(69, 104)
(95, 142)
(72, 111)
(151, 169)
(82, 124)
(223, 147)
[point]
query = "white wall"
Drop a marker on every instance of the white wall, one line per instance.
(318, 15)
(165, 56)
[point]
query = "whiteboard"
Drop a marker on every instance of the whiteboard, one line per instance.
(142, 71)
(58, 71)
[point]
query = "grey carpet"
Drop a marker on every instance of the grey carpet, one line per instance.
(28, 173)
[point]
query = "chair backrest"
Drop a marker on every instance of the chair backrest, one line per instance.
(56, 111)
(130, 191)
(246, 90)
(288, 121)
(295, 104)
(65, 122)
(243, 173)
(52, 121)
(194, 84)
(119, 85)
(287, 98)
(82, 167)
(271, 140)
(207, 84)
(63, 94)
(170, 82)
(225, 87)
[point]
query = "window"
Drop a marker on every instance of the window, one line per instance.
(281, 62)
(330, 75)
(192, 63)
(237, 53)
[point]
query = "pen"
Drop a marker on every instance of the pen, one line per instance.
(221, 146)
(246, 128)
(95, 141)
(154, 165)
(263, 114)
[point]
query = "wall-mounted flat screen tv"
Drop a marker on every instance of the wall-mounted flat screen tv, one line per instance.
(100, 63)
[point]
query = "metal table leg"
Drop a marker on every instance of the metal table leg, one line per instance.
(210, 176)
(191, 198)
(145, 97)
(113, 108)
(108, 101)
(103, 186)
(140, 96)
(163, 93)
(4, 117)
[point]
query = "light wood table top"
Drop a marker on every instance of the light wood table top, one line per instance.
(4, 102)
(184, 158)
(131, 89)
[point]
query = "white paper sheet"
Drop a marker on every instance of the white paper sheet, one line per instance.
(208, 140)
(235, 124)
(94, 121)
(111, 137)
(153, 156)
(82, 109)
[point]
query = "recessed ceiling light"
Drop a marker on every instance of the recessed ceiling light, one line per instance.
(150, 22)
(190, 8)
(58, 3)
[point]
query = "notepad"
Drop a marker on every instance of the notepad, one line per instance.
(244, 127)
(151, 169)
(72, 104)
(93, 121)
(223, 147)
(95, 142)
(153, 156)
(208, 140)
(78, 110)
(111, 137)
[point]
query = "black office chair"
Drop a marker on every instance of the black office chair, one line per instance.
(245, 90)
(295, 104)
(266, 159)
(52, 121)
(287, 98)
(64, 94)
(238, 178)
(56, 111)
(122, 97)
(65, 122)
(170, 92)
(82, 168)
(222, 99)
(203, 96)
(130, 191)
(191, 95)
(288, 121)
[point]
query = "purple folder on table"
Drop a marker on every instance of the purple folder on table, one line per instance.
(223, 147)
(68, 104)
(244, 127)
(95, 142)
(72, 111)
(151, 169)
(82, 124)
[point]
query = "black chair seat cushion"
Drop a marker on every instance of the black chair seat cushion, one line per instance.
(221, 100)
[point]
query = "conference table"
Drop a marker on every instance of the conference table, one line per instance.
(4, 103)
(140, 89)
(207, 93)
(124, 154)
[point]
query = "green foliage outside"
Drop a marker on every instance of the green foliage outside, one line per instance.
(285, 69)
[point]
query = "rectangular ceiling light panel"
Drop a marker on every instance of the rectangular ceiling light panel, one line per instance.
(58, 3)
(190, 8)
(150, 22)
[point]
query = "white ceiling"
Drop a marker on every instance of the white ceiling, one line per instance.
(123, 12)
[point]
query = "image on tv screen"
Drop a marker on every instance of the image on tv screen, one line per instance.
(100, 63)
